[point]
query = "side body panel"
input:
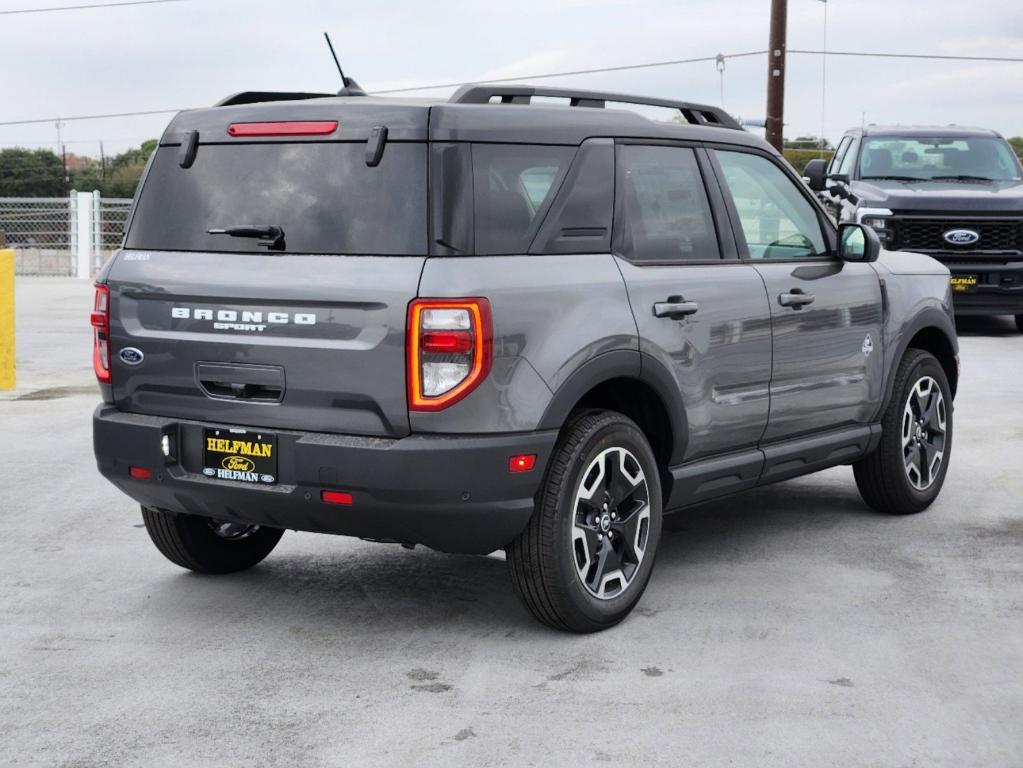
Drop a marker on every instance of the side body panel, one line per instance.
(719, 357)
(828, 359)
(552, 316)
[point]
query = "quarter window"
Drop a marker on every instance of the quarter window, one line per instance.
(666, 213)
(777, 220)
(513, 186)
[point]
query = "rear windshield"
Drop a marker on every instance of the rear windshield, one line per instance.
(323, 195)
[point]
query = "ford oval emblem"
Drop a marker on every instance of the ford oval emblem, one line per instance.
(131, 356)
(961, 237)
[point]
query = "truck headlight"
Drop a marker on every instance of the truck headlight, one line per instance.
(880, 225)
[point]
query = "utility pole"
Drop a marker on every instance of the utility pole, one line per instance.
(776, 75)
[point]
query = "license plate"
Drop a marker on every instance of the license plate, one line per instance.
(963, 283)
(240, 455)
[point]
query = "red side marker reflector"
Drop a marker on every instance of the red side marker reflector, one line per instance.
(140, 473)
(336, 497)
(452, 342)
(523, 463)
(305, 128)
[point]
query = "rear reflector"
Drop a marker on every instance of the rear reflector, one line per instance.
(523, 463)
(307, 128)
(140, 473)
(452, 342)
(336, 497)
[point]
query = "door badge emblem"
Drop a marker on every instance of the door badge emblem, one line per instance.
(868, 346)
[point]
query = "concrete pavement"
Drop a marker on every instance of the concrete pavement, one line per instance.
(787, 627)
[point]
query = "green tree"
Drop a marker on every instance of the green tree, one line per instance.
(1017, 144)
(30, 173)
(807, 142)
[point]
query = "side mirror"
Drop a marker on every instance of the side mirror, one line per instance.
(858, 243)
(816, 173)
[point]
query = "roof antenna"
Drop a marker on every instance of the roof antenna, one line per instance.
(350, 87)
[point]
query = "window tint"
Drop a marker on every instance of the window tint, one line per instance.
(777, 220)
(667, 216)
(985, 157)
(322, 194)
(839, 156)
(513, 186)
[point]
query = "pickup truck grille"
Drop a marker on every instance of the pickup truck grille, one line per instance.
(926, 234)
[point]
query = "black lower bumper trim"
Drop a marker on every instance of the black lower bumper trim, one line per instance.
(453, 493)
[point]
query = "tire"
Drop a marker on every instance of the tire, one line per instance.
(1019, 323)
(564, 564)
(900, 476)
(193, 542)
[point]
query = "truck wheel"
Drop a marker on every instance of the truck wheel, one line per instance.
(586, 555)
(205, 545)
(906, 471)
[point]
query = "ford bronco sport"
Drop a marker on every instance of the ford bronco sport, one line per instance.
(953, 193)
(493, 323)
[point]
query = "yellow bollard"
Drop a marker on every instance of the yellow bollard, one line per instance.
(6, 319)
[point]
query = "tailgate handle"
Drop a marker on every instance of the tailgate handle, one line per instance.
(250, 383)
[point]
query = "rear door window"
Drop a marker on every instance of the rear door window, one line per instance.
(322, 194)
(667, 215)
(513, 186)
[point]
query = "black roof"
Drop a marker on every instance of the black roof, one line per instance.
(922, 131)
(469, 116)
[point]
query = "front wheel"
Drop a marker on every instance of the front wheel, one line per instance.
(205, 545)
(905, 473)
(586, 555)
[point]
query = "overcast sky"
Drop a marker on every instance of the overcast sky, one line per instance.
(192, 53)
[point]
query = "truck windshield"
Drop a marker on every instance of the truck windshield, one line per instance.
(966, 158)
(322, 196)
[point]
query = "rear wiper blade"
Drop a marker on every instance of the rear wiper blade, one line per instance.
(269, 236)
(893, 178)
(961, 177)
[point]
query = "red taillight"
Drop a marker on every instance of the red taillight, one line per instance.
(336, 497)
(306, 128)
(452, 342)
(101, 334)
(450, 350)
(523, 463)
(140, 473)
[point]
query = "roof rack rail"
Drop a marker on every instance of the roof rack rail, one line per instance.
(254, 97)
(697, 114)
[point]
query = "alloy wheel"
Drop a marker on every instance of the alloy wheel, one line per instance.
(611, 523)
(923, 433)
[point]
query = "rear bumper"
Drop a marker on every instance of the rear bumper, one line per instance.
(999, 288)
(451, 493)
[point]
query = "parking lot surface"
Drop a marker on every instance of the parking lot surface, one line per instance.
(788, 627)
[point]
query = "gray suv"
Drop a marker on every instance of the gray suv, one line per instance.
(493, 323)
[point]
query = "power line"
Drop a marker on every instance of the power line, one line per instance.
(87, 7)
(598, 70)
(545, 75)
(938, 57)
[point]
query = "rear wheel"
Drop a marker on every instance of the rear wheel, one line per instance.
(586, 555)
(205, 545)
(906, 471)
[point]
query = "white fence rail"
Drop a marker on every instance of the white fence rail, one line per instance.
(72, 235)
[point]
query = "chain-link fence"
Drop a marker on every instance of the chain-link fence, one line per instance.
(50, 234)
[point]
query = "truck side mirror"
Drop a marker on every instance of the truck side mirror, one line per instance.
(858, 243)
(816, 174)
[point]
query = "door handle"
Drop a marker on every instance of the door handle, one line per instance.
(675, 308)
(795, 298)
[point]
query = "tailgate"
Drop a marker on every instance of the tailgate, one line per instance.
(300, 342)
